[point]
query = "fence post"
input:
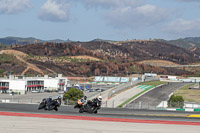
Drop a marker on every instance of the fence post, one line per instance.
(67, 101)
(140, 105)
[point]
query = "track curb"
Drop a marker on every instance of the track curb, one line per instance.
(180, 109)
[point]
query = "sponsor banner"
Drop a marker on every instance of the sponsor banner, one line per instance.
(135, 79)
(98, 78)
(171, 77)
(150, 74)
(164, 77)
(112, 79)
(124, 79)
(186, 80)
(197, 80)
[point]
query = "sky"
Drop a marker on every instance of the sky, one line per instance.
(85, 20)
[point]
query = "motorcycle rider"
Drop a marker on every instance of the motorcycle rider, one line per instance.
(92, 105)
(84, 101)
(59, 99)
(50, 101)
(81, 102)
(100, 98)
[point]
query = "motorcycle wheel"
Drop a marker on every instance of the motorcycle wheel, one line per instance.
(51, 108)
(56, 109)
(41, 106)
(80, 111)
(95, 112)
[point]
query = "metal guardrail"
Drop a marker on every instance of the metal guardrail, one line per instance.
(19, 100)
(161, 105)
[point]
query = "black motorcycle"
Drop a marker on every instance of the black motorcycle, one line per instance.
(43, 104)
(91, 106)
(49, 104)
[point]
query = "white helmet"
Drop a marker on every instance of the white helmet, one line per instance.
(99, 98)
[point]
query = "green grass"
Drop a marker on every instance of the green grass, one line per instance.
(190, 95)
(153, 83)
(187, 87)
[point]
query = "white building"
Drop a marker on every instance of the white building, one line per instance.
(28, 84)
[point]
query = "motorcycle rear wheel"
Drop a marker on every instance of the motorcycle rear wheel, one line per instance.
(51, 107)
(95, 112)
(80, 111)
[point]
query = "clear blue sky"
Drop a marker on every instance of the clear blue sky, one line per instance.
(85, 20)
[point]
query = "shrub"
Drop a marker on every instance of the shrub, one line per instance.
(176, 101)
(72, 94)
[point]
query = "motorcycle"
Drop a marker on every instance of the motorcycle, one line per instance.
(49, 104)
(91, 107)
(79, 104)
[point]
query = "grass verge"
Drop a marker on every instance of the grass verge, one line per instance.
(190, 95)
(153, 83)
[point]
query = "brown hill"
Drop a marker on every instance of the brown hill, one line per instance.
(103, 58)
(122, 51)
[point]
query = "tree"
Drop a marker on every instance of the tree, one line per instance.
(73, 94)
(176, 101)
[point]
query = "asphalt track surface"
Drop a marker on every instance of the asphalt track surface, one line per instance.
(26, 118)
(154, 97)
(105, 112)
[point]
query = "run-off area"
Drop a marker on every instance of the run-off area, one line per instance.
(15, 124)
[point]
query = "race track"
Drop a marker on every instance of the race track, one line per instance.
(104, 112)
(154, 97)
(26, 118)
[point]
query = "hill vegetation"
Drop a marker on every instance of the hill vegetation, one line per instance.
(98, 57)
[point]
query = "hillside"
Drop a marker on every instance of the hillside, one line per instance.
(190, 43)
(23, 41)
(143, 50)
(99, 58)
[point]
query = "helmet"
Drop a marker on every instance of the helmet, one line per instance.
(85, 97)
(59, 97)
(99, 98)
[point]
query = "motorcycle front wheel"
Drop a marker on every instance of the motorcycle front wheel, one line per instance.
(41, 106)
